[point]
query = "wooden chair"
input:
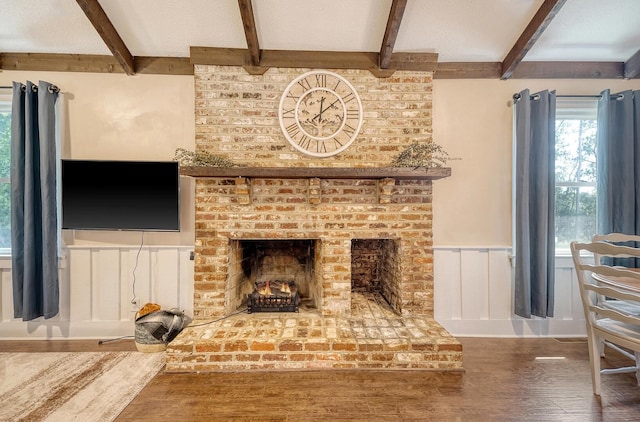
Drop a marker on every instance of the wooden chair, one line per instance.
(620, 239)
(615, 326)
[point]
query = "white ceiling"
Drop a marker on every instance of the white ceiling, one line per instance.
(458, 30)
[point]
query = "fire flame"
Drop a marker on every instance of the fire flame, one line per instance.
(279, 288)
(266, 291)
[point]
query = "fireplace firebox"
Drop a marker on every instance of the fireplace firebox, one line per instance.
(273, 275)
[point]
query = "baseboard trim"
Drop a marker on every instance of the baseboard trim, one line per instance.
(517, 328)
(45, 330)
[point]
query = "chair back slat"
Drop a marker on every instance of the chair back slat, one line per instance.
(609, 249)
(615, 238)
(611, 271)
(612, 292)
(616, 315)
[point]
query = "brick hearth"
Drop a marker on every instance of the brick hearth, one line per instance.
(373, 338)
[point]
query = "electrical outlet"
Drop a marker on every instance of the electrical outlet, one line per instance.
(135, 304)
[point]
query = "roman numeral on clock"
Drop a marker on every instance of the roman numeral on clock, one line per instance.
(321, 80)
(353, 114)
(348, 130)
(305, 142)
(293, 129)
(304, 83)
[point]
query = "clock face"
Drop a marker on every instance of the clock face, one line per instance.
(320, 113)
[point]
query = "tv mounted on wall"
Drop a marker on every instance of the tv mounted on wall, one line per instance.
(120, 195)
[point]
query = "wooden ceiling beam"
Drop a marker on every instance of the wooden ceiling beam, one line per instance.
(319, 59)
(313, 59)
(284, 58)
(414, 61)
(569, 70)
(468, 70)
(531, 70)
(147, 65)
(391, 32)
(219, 56)
(94, 63)
(530, 35)
(250, 33)
(108, 33)
(367, 61)
(61, 62)
(632, 66)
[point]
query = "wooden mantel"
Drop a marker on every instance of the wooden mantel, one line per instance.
(408, 173)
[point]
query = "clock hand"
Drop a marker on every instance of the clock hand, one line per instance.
(319, 115)
(331, 105)
(326, 108)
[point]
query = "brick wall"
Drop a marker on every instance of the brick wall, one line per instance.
(236, 117)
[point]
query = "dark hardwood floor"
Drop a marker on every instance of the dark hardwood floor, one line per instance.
(503, 381)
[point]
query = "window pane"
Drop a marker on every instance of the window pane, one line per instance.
(5, 144)
(5, 215)
(575, 215)
(575, 150)
(575, 208)
(5, 169)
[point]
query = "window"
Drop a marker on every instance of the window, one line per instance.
(575, 197)
(5, 168)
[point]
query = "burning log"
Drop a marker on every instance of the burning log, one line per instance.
(274, 296)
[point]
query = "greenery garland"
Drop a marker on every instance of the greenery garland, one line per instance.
(428, 154)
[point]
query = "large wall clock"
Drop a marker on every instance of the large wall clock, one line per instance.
(320, 113)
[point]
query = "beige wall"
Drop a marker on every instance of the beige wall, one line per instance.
(472, 120)
(149, 116)
(113, 116)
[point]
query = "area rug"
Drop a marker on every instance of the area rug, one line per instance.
(84, 386)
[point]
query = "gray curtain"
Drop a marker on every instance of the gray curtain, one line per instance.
(618, 152)
(535, 193)
(618, 162)
(33, 201)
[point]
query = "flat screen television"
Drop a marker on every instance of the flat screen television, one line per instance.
(120, 195)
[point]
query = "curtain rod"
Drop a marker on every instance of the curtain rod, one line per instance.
(52, 88)
(517, 96)
(579, 96)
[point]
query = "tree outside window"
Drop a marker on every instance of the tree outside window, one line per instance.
(5, 169)
(575, 206)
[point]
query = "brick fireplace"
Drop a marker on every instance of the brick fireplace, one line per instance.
(355, 238)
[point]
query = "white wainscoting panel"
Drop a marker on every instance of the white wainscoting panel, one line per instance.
(474, 296)
(473, 293)
(96, 288)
